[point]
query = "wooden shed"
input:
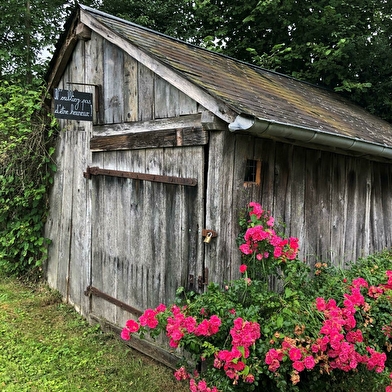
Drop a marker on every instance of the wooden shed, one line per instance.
(180, 140)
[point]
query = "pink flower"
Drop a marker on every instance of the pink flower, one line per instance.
(315, 348)
(360, 282)
(375, 291)
(132, 326)
(278, 252)
(273, 354)
(125, 335)
(215, 323)
(190, 324)
(181, 374)
(246, 249)
(295, 354)
(160, 308)
(250, 378)
(274, 366)
(256, 209)
(243, 268)
(309, 362)
(320, 304)
(389, 275)
(255, 234)
(299, 366)
(148, 318)
(293, 241)
(173, 343)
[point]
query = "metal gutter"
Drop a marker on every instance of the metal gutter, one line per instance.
(307, 135)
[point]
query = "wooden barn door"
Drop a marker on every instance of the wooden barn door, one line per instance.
(147, 218)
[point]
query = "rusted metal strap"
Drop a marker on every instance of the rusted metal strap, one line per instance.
(90, 290)
(96, 171)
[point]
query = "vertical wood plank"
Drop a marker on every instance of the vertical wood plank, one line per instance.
(113, 81)
(166, 99)
(295, 222)
(94, 69)
(146, 99)
(219, 207)
(339, 203)
(130, 89)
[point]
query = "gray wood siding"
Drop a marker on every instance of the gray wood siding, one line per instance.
(338, 206)
(90, 220)
(130, 91)
(68, 224)
(146, 236)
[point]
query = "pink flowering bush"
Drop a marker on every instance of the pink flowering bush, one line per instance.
(282, 326)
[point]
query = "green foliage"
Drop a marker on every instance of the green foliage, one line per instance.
(343, 45)
(27, 29)
(25, 173)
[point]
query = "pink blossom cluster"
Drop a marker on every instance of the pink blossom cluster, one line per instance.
(200, 386)
(388, 285)
(261, 237)
(194, 386)
(148, 318)
(179, 324)
(336, 347)
(131, 326)
(244, 334)
(300, 357)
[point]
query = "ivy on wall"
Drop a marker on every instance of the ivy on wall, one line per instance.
(26, 172)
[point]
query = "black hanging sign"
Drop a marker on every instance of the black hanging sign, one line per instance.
(73, 105)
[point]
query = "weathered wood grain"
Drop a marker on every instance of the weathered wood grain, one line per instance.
(153, 139)
(146, 101)
(113, 81)
(185, 121)
(130, 89)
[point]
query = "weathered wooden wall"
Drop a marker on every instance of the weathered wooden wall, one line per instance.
(69, 224)
(338, 206)
(136, 241)
(145, 235)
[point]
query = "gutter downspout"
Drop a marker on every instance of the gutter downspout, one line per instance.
(308, 135)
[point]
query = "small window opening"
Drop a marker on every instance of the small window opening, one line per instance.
(252, 172)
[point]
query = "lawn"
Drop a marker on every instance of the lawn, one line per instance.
(46, 346)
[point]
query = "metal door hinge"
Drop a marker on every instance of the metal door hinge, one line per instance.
(203, 280)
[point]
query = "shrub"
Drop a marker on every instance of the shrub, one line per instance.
(25, 173)
(330, 332)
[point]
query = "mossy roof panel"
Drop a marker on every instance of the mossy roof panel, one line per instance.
(254, 91)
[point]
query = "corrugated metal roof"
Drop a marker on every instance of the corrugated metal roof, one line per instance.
(251, 90)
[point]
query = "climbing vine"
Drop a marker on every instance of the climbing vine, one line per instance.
(26, 171)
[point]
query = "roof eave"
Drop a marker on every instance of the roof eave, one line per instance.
(272, 129)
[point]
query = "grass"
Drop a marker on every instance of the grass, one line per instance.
(46, 346)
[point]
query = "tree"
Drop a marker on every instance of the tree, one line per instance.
(27, 28)
(171, 17)
(342, 45)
